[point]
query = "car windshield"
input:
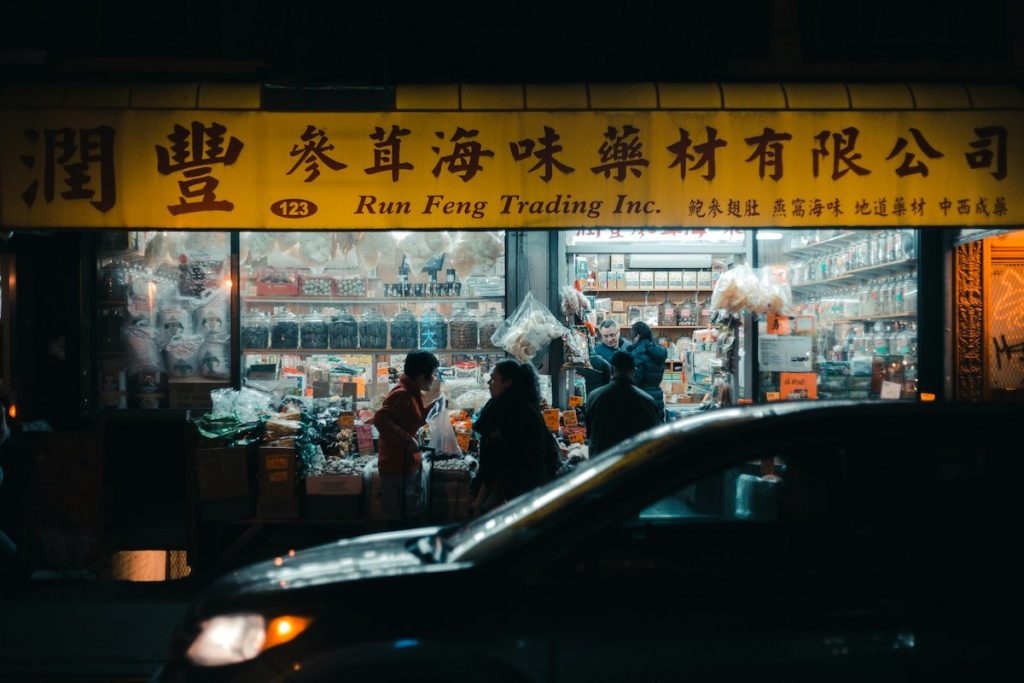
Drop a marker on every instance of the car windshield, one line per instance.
(518, 518)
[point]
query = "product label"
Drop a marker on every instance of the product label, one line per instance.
(551, 419)
(569, 418)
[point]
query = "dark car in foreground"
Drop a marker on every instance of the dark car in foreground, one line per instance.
(790, 542)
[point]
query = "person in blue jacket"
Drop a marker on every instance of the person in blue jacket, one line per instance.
(649, 357)
(609, 341)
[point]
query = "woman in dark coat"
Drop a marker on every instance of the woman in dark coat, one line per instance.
(649, 358)
(517, 452)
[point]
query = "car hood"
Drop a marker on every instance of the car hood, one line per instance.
(376, 555)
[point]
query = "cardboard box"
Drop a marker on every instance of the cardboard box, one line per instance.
(334, 496)
(675, 279)
(618, 305)
(618, 262)
(632, 279)
(646, 279)
(661, 279)
(689, 279)
(604, 261)
(277, 484)
(602, 280)
(704, 279)
(222, 479)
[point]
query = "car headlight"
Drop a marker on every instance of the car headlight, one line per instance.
(234, 638)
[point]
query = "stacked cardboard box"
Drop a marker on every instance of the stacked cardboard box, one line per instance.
(278, 497)
(222, 478)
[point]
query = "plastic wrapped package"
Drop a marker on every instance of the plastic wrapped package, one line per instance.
(113, 282)
(373, 330)
(316, 285)
(455, 388)
(284, 331)
(476, 252)
(174, 319)
(143, 348)
(405, 330)
(211, 313)
(215, 356)
(736, 290)
(433, 330)
(316, 248)
(576, 349)
(373, 245)
(351, 285)
(343, 331)
(776, 293)
(442, 434)
(313, 331)
(574, 304)
(421, 246)
(181, 355)
(530, 328)
(473, 400)
(197, 275)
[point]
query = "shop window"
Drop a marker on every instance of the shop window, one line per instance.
(163, 318)
(334, 313)
(844, 323)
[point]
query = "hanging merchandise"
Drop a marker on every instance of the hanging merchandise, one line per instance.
(476, 252)
(736, 290)
(577, 351)
(316, 249)
(374, 245)
(776, 294)
(530, 328)
(420, 247)
(442, 434)
(182, 355)
(574, 304)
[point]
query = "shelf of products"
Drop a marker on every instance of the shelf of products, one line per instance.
(355, 314)
(853, 321)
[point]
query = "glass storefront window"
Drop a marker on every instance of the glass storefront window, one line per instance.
(334, 313)
(851, 331)
(163, 318)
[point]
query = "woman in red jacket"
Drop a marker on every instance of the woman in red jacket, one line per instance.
(397, 421)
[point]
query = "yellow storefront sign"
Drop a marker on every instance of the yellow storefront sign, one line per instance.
(228, 169)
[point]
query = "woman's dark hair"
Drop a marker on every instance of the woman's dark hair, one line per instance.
(642, 330)
(525, 382)
(420, 362)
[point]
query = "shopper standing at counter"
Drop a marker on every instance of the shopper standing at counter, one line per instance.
(649, 357)
(611, 341)
(397, 422)
(620, 409)
(517, 452)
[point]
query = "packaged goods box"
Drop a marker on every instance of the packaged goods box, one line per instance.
(277, 484)
(334, 496)
(222, 480)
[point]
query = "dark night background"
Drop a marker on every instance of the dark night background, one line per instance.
(321, 42)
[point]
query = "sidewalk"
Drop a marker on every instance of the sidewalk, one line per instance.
(77, 630)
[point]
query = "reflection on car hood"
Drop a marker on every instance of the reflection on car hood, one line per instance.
(376, 555)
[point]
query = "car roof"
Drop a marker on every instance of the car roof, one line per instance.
(480, 538)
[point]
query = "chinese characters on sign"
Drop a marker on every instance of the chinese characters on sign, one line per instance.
(659, 169)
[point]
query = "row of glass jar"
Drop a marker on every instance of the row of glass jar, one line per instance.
(883, 338)
(285, 330)
(881, 296)
(874, 249)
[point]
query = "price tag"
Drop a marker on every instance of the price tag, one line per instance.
(778, 324)
(569, 418)
(771, 396)
(891, 390)
(577, 437)
(551, 419)
(346, 420)
(798, 385)
(575, 401)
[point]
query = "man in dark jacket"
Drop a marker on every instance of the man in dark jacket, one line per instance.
(620, 409)
(610, 340)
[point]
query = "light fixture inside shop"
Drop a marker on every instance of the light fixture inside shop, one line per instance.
(769, 235)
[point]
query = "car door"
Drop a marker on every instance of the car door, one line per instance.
(736, 575)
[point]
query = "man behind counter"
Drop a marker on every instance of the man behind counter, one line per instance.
(610, 341)
(619, 409)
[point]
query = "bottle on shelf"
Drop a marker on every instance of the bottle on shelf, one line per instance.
(373, 330)
(464, 329)
(405, 330)
(489, 324)
(284, 331)
(433, 330)
(313, 331)
(254, 330)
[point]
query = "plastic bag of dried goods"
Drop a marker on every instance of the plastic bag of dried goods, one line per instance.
(419, 247)
(530, 328)
(736, 290)
(442, 434)
(373, 245)
(776, 293)
(476, 252)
